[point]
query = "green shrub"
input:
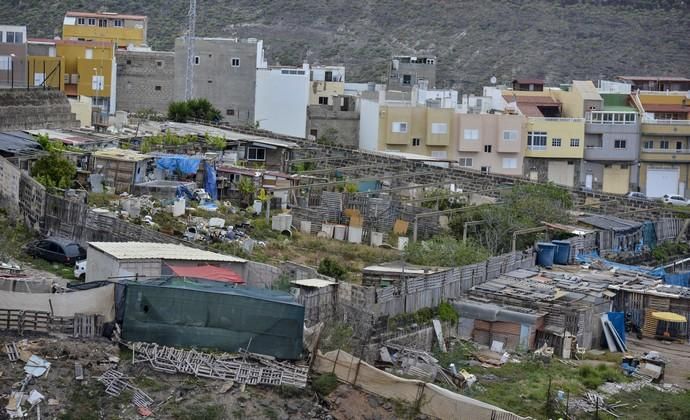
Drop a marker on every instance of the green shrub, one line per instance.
(325, 384)
(332, 268)
(447, 313)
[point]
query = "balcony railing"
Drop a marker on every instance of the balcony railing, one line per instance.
(588, 147)
(666, 151)
(665, 122)
(617, 117)
(556, 119)
(536, 148)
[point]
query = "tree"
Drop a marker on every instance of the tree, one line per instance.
(444, 251)
(524, 206)
(444, 199)
(54, 171)
(246, 188)
(198, 108)
(178, 111)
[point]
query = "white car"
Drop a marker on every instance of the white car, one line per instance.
(80, 270)
(676, 200)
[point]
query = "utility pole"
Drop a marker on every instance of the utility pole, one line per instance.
(191, 30)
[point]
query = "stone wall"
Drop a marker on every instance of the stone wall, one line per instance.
(343, 124)
(22, 109)
(145, 80)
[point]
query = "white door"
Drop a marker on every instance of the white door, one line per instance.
(662, 181)
(533, 175)
(588, 181)
(681, 188)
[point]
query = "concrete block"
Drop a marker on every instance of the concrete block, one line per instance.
(339, 232)
(305, 226)
(281, 222)
(179, 207)
(354, 235)
(328, 229)
(376, 239)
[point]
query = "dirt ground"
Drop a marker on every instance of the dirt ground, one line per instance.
(677, 355)
(179, 396)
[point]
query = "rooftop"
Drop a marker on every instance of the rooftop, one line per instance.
(200, 130)
(613, 223)
(110, 15)
(655, 78)
(587, 89)
(74, 137)
(153, 250)
(18, 143)
(49, 41)
(124, 155)
(315, 283)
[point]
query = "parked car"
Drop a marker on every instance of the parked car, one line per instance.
(56, 250)
(80, 270)
(636, 195)
(676, 200)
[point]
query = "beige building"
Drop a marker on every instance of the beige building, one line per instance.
(487, 142)
(326, 84)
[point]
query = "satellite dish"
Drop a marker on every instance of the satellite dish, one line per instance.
(493, 80)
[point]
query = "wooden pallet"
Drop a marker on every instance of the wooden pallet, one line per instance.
(87, 326)
(12, 351)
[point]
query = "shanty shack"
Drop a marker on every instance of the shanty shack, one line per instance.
(185, 312)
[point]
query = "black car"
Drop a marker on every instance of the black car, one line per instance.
(56, 250)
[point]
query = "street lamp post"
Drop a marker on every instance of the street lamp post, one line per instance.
(12, 68)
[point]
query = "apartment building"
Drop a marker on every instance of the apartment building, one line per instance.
(612, 143)
(145, 80)
(656, 84)
(479, 141)
(325, 84)
(13, 56)
(407, 71)
(78, 68)
(224, 73)
(121, 29)
(665, 138)
(282, 97)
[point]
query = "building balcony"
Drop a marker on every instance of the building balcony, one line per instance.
(666, 127)
(610, 154)
(665, 155)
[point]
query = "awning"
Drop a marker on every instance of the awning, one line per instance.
(668, 317)
(209, 272)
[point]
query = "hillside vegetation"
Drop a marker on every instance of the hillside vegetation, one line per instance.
(557, 40)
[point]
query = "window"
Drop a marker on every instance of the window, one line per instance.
(210, 81)
(407, 79)
(314, 132)
(97, 82)
(416, 141)
(235, 62)
(555, 142)
(230, 112)
(102, 23)
(509, 163)
(328, 77)
(323, 100)
(92, 22)
(118, 23)
(89, 53)
(619, 144)
(129, 62)
(536, 140)
(197, 60)
(663, 144)
(465, 162)
(510, 135)
(439, 154)
(158, 88)
(399, 127)
(81, 21)
(159, 63)
(471, 134)
(574, 142)
(439, 128)
(6, 62)
(255, 153)
(487, 148)
(648, 144)
(14, 37)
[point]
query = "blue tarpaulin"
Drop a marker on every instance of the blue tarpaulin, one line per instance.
(618, 321)
(589, 258)
(210, 180)
(677, 279)
(185, 164)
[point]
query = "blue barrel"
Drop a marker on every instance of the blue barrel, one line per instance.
(562, 255)
(545, 253)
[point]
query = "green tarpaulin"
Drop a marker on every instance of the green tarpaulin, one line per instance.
(206, 314)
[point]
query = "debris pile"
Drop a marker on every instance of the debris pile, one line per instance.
(35, 367)
(115, 383)
(244, 368)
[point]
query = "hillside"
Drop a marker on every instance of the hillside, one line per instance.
(557, 40)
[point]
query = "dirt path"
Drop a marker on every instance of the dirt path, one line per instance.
(677, 354)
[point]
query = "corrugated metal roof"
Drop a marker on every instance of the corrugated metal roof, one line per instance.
(121, 154)
(153, 250)
(18, 143)
(613, 223)
(317, 283)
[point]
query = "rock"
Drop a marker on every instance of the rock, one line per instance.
(373, 401)
(293, 406)
(388, 406)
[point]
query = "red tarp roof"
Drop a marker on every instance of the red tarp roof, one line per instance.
(210, 272)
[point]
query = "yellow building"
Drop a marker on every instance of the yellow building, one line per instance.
(555, 133)
(665, 138)
(326, 83)
(79, 68)
(122, 30)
